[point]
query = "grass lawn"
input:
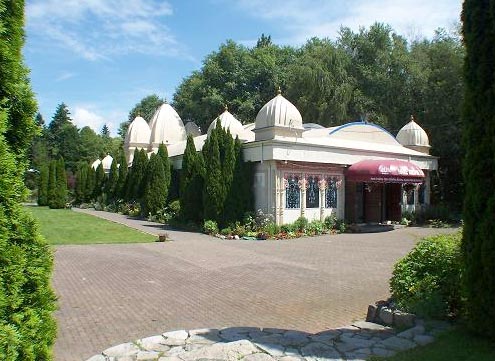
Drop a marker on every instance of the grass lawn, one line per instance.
(456, 345)
(63, 226)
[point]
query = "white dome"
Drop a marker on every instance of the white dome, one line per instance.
(192, 129)
(107, 162)
(95, 164)
(138, 133)
(228, 121)
(166, 126)
(279, 112)
(412, 134)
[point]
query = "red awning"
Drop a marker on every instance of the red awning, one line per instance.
(385, 171)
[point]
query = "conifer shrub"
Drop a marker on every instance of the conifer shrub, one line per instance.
(427, 281)
(479, 165)
(210, 227)
(27, 328)
(43, 186)
(156, 191)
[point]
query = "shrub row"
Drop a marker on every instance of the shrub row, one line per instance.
(262, 226)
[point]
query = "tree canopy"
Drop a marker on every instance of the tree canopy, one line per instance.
(373, 74)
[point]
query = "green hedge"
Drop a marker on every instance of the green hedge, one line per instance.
(427, 281)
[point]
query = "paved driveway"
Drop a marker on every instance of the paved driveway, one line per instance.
(109, 294)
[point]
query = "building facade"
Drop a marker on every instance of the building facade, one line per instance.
(357, 171)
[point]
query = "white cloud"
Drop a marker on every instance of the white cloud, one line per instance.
(101, 29)
(87, 115)
(303, 19)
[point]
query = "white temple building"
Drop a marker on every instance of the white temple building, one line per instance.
(357, 171)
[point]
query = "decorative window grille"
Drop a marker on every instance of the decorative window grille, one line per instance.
(312, 192)
(331, 193)
(292, 192)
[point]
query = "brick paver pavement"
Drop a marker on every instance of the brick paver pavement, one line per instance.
(109, 294)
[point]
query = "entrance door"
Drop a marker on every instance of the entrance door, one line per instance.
(373, 203)
(393, 195)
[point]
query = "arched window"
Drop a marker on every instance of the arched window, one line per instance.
(292, 192)
(312, 192)
(331, 193)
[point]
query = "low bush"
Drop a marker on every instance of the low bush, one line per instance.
(301, 223)
(286, 228)
(315, 228)
(271, 229)
(340, 225)
(330, 222)
(427, 280)
(210, 227)
(238, 229)
(226, 231)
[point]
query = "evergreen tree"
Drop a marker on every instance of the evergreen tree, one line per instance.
(90, 183)
(235, 206)
(228, 166)
(479, 164)
(122, 178)
(163, 154)
(112, 181)
(155, 189)
(190, 199)
(52, 184)
(130, 180)
(100, 178)
(43, 186)
(105, 132)
(63, 137)
(137, 176)
(61, 185)
(213, 188)
(81, 180)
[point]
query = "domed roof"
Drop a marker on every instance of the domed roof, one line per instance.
(166, 126)
(228, 121)
(95, 164)
(192, 128)
(138, 132)
(279, 112)
(412, 134)
(107, 162)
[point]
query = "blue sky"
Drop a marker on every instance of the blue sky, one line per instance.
(101, 57)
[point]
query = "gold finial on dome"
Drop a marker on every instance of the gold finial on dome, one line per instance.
(412, 118)
(226, 107)
(279, 91)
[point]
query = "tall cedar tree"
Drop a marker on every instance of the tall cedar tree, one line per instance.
(43, 185)
(155, 189)
(163, 154)
(100, 179)
(81, 180)
(61, 188)
(52, 184)
(112, 181)
(213, 187)
(90, 183)
(479, 164)
(191, 183)
(228, 165)
(136, 176)
(239, 200)
(15, 90)
(122, 178)
(27, 328)
(63, 137)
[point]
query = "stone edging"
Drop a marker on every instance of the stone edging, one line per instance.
(356, 342)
